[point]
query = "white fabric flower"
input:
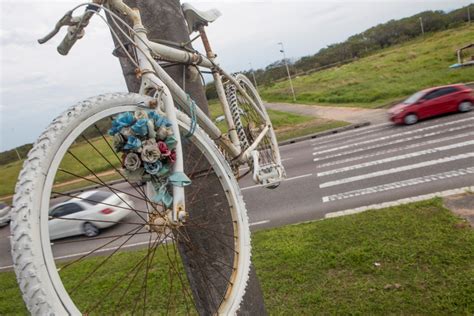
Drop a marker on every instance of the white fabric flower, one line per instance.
(164, 132)
(119, 141)
(126, 131)
(150, 153)
(132, 162)
(140, 114)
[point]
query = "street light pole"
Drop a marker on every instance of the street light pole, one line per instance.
(253, 75)
(422, 29)
(469, 14)
(282, 50)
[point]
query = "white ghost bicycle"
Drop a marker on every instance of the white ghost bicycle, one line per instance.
(115, 143)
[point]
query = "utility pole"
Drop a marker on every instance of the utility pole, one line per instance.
(18, 154)
(282, 50)
(164, 20)
(422, 29)
(253, 76)
(469, 14)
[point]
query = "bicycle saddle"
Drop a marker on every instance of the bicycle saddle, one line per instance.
(195, 18)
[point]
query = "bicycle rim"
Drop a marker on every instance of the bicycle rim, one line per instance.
(250, 123)
(201, 267)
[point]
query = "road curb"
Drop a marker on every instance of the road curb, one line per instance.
(325, 133)
(398, 202)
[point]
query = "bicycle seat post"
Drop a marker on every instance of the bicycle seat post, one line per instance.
(205, 41)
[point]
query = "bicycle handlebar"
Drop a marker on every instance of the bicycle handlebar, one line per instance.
(75, 29)
(65, 20)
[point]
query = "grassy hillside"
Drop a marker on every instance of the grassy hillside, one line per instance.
(384, 77)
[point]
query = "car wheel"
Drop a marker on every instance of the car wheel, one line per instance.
(465, 106)
(410, 119)
(90, 230)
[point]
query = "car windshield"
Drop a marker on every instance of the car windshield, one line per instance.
(97, 197)
(414, 98)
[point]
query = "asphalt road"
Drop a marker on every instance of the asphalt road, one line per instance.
(356, 168)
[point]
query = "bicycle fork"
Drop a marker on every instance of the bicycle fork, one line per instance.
(175, 216)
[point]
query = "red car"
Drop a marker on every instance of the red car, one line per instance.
(431, 102)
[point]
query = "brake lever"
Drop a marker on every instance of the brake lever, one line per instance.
(67, 19)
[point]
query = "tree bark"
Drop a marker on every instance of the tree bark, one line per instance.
(164, 20)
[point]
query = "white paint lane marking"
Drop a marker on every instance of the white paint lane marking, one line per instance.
(401, 140)
(354, 132)
(107, 249)
(97, 251)
(399, 202)
(399, 184)
(357, 144)
(413, 129)
(284, 180)
(246, 167)
(392, 150)
(396, 158)
(259, 223)
(396, 170)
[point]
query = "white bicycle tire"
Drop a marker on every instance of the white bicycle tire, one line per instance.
(39, 281)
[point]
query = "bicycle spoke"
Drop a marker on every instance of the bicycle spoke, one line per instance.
(100, 301)
(129, 233)
(100, 265)
(137, 270)
(108, 187)
(96, 238)
(96, 202)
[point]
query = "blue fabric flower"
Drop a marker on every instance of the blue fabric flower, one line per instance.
(140, 127)
(132, 143)
(171, 142)
(162, 121)
(153, 168)
(162, 195)
(179, 179)
(122, 120)
(165, 169)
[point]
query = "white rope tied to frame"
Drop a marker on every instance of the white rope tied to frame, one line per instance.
(192, 110)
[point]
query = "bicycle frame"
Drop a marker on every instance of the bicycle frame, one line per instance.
(153, 73)
(153, 77)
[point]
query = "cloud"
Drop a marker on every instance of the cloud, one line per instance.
(37, 83)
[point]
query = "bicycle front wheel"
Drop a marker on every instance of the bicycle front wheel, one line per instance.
(251, 118)
(125, 266)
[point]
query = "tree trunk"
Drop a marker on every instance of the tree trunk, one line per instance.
(164, 20)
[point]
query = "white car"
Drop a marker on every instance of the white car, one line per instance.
(87, 213)
(5, 215)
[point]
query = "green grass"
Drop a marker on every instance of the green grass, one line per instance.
(82, 151)
(287, 125)
(312, 127)
(426, 258)
(426, 264)
(384, 77)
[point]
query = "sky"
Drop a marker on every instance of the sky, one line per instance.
(37, 83)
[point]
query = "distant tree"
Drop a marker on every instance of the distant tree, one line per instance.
(377, 37)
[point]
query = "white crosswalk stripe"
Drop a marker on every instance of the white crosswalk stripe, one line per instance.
(396, 158)
(398, 169)
(393, 150)
(394, 142)
(394, 135)
(399, 184)
(354, 133)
